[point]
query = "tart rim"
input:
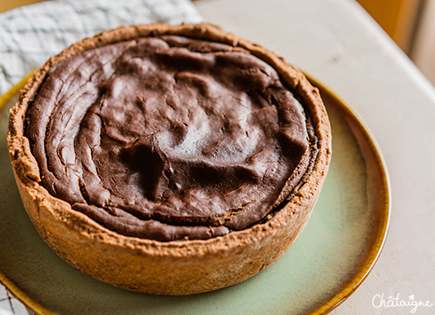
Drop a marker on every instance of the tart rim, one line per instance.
(26, 169)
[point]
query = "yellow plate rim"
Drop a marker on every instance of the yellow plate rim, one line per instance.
(349, 287)
(375, 251)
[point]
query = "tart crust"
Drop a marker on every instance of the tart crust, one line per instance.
(175, 267)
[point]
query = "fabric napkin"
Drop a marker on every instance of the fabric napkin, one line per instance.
(30, 35)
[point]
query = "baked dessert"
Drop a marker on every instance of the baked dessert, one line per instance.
(169, 159)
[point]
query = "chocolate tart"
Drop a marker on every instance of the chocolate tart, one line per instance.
(169, 159)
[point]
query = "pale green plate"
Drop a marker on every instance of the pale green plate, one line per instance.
(333, 255)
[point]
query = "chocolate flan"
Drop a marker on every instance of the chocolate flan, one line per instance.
(169, 159)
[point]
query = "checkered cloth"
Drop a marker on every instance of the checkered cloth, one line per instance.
(30, 35)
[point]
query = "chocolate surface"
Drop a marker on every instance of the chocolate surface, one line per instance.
(169, 138)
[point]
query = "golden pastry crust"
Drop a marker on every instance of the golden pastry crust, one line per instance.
(176, 267)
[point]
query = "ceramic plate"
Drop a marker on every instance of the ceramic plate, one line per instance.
(331, 258)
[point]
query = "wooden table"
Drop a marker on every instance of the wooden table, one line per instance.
(337, 42)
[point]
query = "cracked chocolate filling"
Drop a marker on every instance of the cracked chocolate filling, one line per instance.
(170, 138)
